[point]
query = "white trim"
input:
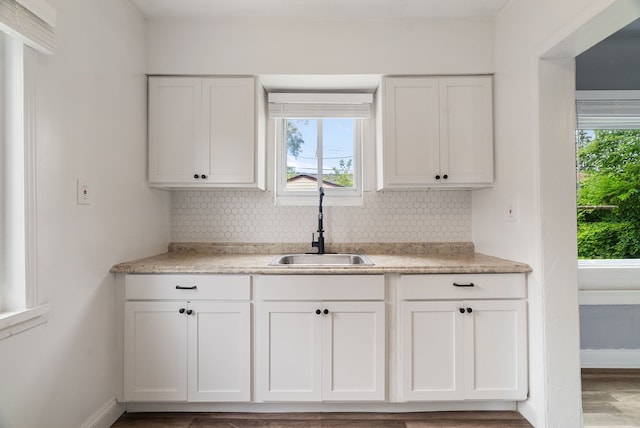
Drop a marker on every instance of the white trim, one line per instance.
(528, 410)
(320, 98)
(41, 9)
(333, 196)
(609, 275)
(318, 105)
(609, 297)
(106, 415)
(13, 288)
(30, 179)
(607, 95)
(424, 406)
(12, 323)
(24, 271)
(18, 21)
(610, 358)
(608, 109)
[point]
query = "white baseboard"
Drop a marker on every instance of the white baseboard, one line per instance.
(610, 358)
(528, 410)
(323, 407)
(106, 415)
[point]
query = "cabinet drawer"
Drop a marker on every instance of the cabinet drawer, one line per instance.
(320, 287)
(469, 286)
(187, 287)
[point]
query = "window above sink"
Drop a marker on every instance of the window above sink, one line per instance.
(319, 140)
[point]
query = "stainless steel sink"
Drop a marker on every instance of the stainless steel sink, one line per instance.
(321, 260)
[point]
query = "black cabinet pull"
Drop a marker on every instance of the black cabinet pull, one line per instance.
(445, 176)
(461, 310)
(438, 177)
(189, 311)
(326, 311)
(203, 176)
(318, 311)
(469, 310)
(471, 284)
(179, 287)
(181, 310)
(196, 176)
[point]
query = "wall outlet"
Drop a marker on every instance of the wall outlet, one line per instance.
(84, 192)
(511, 212)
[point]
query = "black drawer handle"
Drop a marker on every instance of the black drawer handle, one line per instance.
(179, 287)
(471, 284)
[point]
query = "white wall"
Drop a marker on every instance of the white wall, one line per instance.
(91, 125)
(535, 168)
(331, 48)
(414, 46)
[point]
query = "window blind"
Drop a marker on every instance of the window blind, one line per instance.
(297, 106)
(611, 113)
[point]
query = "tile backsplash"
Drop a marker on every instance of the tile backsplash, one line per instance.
(251, 216)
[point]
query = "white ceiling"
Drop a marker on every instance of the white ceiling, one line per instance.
(340, 10)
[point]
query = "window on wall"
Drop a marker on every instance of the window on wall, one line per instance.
(26, 31)
(319, 141)
(608, 174)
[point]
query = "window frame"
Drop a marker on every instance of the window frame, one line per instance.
(351, 196)
(24, 309)
(606, 110)
(319, 106)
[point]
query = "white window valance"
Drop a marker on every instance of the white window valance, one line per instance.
(299, 105)
(33, 21)
(608, 109)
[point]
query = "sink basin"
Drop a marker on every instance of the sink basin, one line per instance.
(321, 260)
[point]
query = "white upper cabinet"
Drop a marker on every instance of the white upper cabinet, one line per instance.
(205, 132)
(435, 132)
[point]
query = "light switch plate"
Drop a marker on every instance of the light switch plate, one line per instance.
(511, 212)
(84, 192)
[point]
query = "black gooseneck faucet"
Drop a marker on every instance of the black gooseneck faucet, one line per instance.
(320, 242)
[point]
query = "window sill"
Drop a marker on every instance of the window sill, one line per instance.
(12, 323)
(312, 200)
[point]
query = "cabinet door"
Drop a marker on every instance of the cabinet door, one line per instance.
(466, 130)
(155, 351)
(431, 347)
(175, 130)
(219, 358)
(353, 350)
(228, 116)
(411, 138)
(496, 350)
(289, 337)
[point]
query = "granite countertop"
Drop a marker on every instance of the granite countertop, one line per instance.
(406, 258)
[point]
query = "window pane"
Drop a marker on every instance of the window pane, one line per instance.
(608, 199)
(302, 148)
(338, 160)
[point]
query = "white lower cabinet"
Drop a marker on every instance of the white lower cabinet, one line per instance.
(463, 349)
(187, 350)
(323, 338)
(331, 349)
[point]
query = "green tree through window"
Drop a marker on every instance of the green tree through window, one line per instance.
(608, 194)
(337, 157)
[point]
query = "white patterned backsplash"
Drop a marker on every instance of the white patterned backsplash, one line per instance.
(250, 216)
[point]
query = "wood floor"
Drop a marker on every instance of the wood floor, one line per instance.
(610, 398)
(325, 420)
